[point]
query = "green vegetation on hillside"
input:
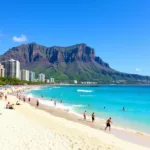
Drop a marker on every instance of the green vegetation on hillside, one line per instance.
(14, 81)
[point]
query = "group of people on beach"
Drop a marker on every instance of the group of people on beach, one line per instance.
(108, 122)
(24, 99)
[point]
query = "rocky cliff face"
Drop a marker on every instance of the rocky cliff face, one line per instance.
(73, 62)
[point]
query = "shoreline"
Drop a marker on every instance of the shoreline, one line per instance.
(129, 135)
(78, 114)
(69, 132)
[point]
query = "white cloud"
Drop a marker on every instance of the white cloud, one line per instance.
(138, 69)
(22, 38)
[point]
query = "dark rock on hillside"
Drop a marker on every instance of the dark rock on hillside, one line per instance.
(68, 63)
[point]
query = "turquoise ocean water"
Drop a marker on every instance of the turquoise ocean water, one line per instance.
(136, 100)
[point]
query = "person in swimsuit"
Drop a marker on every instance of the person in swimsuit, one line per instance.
(17, 103)
(37, 103)
(5, 97)
(55, 103)
(123, 109)
(84, 115)
(24, 99)
(93, 117)
(108, 124)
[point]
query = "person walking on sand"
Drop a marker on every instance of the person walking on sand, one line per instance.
(6, 97)
(93, 117)
(37, 103)
(55, 103)
(84, 115)
(29, 99)
(24, 99)
(108, 124)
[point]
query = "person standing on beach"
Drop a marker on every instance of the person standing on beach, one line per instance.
(84, 115)
(29, 99)
(93, 117)
(37, 103)
(55, 103)
(6, 97)
(24, 99)
(108, 124)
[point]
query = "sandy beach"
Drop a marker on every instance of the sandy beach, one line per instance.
(28, 127)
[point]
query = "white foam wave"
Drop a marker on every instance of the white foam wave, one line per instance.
(29, 95)
(37, 89)
(56, 87)
(78, 105)
(86, 91)
(86, 95)
(58, 105)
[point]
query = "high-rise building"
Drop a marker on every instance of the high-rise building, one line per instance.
(25, 75)
(52, 80)
(42, 77)
(2, 71)
(31, 76)
(12, 68)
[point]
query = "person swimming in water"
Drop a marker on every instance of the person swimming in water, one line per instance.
(108, 124)
(93, 117)
(123, 109)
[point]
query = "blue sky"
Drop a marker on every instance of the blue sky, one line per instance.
(118, 30)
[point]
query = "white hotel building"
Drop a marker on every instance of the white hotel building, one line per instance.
(2, 71)
(42, 77)
(12, 68)
(32, 76)
(25, 75)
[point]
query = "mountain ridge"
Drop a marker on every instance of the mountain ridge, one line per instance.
(68, 63)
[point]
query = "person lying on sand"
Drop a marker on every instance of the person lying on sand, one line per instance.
(17, 103)
(9, 106)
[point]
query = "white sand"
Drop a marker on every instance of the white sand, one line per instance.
(28, 128)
